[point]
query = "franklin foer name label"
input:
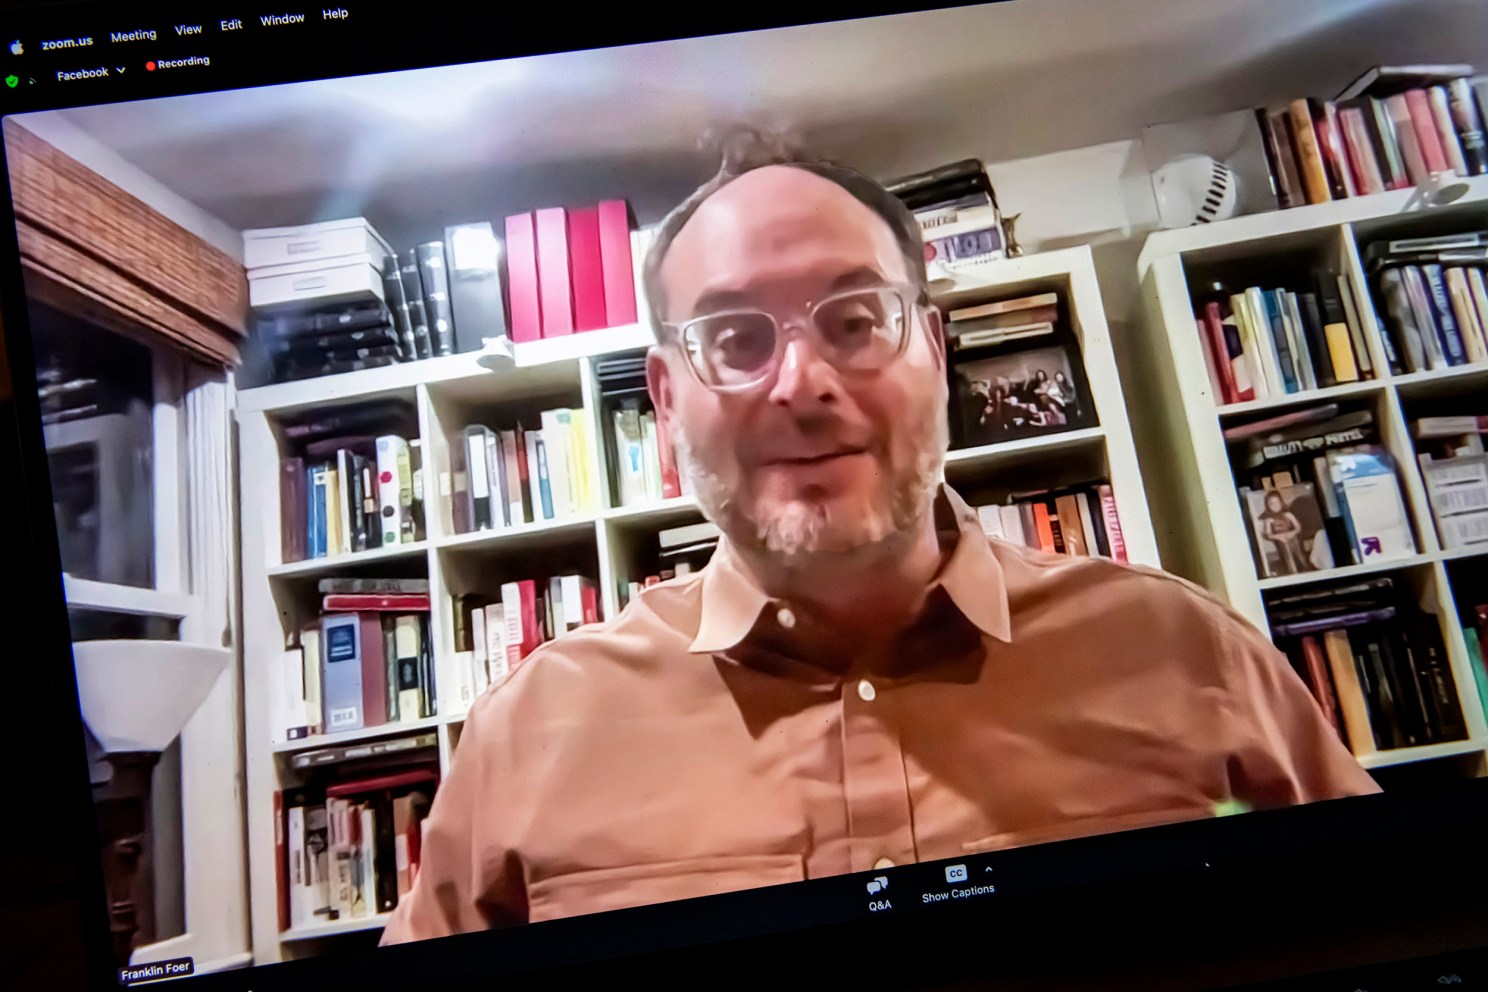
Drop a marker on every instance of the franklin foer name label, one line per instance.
(156, 970)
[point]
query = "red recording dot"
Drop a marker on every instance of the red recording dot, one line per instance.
(149, 66)
(385, 477)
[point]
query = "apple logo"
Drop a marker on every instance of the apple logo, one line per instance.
(16, 48)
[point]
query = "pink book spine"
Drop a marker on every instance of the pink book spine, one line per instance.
(1113, 524)
(1425, 128)
(588, 270)
(521, 274)
(619, 271)
(553, 275)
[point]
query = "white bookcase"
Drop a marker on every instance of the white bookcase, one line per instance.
(1179, 421)
(449, 393)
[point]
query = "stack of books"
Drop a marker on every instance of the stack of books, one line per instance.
(317, 295)
(505, 478)
(1391, 128)
(1002, 321)
(1318, 491)
(367, 661)
(570, 270)
(350, 849)
(1079, 520)
(680, 551)
(1455, 467)
(1271, 342)
(1434, 296)
(499, 635)
(643, 462)
(446, 295)
(1376, 665)
(957, 211)
(352, 482)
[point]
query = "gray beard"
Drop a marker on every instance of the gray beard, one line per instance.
(802, 530)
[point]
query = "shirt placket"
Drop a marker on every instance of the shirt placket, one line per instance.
(880, 818)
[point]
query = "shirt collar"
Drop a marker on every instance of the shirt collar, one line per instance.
(971, 576)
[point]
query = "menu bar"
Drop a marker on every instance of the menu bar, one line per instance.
(86, 53)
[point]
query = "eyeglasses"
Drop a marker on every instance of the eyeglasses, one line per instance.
(856, 330)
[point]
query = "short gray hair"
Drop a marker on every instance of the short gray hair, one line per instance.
(744, 150)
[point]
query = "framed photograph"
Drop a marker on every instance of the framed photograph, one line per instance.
(1020, 394)
(1288, 528)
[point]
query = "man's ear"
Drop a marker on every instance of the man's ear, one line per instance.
(935, 330)
(659, 382)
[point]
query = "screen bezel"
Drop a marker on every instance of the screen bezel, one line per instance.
(1421, 847)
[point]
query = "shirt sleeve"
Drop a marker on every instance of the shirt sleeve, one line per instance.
(1283, 749)
(464, 880)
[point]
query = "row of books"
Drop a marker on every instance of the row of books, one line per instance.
(352, 849)
(367, 661)
(570, 270)
(1434, 295)
(1383, 133)
(1376, 665)
(1454, 466)
(1080, 520)
(956, 207)
(642, 459)
(366, 495)
(1318, 490)
(1271, 342)
(509, 477)
(680, 551)
(349, 481)
(496, 636)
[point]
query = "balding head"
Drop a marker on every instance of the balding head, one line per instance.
(749, 152)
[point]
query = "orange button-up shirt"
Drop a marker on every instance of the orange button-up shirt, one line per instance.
(707, 740)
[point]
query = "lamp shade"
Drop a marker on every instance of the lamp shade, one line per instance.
(137, 695)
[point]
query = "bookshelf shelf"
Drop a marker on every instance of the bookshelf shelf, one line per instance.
(584, 344)
(450, 393)
(339, 563)
(1427, 752)
(1344, 572)
(1181, 432)
(355, 736)
(1461, 378)
(668, 511)
(1004, 452)
(545, 534)
(1278, 225)
(1458, 554)
(1346, 390)
(333, 928)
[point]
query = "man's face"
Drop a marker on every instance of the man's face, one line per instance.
(812, 459)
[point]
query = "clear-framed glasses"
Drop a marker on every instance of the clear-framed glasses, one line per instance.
(856, 330)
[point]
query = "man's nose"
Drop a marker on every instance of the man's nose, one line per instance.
(805, 378)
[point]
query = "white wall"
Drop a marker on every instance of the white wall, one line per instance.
(1100, 196)
(67, 138)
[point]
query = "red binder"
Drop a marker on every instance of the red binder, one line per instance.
(588, 271)
(553, 275)
(525, 310)
(619, 272)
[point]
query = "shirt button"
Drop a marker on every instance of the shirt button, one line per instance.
(785, 617)
(883, 863)
(866, 692)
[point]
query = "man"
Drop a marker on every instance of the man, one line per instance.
(859, 678)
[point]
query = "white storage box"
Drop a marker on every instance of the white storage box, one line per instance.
(313, 242)
(345, 279)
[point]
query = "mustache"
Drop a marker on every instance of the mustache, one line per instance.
(812, 437)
